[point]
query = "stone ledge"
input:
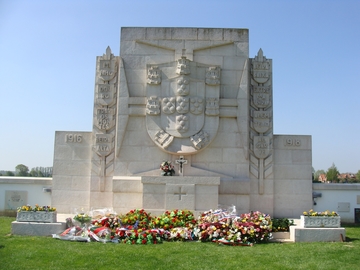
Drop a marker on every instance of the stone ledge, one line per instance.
(36, 228)
(298, 234)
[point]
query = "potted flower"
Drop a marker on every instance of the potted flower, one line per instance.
(167, 169)
(27, 213)
(325, 219)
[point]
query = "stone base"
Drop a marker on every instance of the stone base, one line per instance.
(37, 228)
(281, 235)
(299, 234)
(193, 193)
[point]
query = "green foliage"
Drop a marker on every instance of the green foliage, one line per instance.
(22, 170)
(41, 172)
(9, 173)
(358, 175)
(32, 252)
(332, 174)
(281, 224)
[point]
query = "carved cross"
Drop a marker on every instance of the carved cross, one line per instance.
(181, 162)
(179, 193)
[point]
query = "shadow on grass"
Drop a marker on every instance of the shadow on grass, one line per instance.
(2, 246)
(349, 239)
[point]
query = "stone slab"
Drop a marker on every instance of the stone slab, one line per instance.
(179, 180)
(298, 234)
(36, 228)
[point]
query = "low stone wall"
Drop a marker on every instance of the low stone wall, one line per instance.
(341, 198)
(19, 191)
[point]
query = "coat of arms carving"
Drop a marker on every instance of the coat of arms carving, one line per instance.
(182, 112)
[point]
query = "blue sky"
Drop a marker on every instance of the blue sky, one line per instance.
(48, 51)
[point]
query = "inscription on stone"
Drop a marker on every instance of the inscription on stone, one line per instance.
(73, 138)
(292, 142)
(15, 199)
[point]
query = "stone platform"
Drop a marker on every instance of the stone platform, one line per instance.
(300, 234)
(37, 228)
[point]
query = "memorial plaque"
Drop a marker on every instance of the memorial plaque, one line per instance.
(15, 199)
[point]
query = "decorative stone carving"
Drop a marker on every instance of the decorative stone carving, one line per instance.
(153, 106)
(320, 221)
(261, 96)
(183, 66)
(182, 114)
(261, 121)
(154, 75)
(107, 70)
(196, 105)
(105, 94)
(104, 144)
(168, 105)
(213, 76)
(182, 104)
(200, 139)
(105, 118)
(260, 68)
(183, 88)
(163, 138)
(212, 106)
(182, 123)
(38, 216)
(261, 146)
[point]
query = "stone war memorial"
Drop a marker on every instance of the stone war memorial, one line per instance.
(192, 97)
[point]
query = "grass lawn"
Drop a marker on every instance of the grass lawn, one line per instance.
(30, 252)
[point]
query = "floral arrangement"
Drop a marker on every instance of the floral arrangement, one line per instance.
(182, 234)
(326, 213)
(140, 236)
(135, 219)
(255, 227)
(28, 208)
(220, 225)
(138, 227)
(281, 224)
(167, 168)
(175, 218)
(82, 218)
(109, 221)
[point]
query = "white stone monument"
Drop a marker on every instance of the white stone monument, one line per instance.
(191, 96)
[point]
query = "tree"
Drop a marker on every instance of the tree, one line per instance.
(332, 174)
(22, 170)
(358, 175)
(41, 172)
(9, 173)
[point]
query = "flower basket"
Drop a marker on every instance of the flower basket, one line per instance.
(38, 216)
(320, 221)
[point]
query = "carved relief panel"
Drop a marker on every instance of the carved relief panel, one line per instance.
(104, 115)
(185, 113)
(261, 132)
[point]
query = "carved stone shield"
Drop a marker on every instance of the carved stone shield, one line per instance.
(261, 121)
(105, 94)
(182, 126)
(104, 144)
(107, 70)
(261, 146)
(261, 96)
(105, 118)
(260, 68)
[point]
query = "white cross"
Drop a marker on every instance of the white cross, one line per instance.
(181, 162)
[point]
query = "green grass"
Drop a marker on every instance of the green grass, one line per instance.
(29, 252)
